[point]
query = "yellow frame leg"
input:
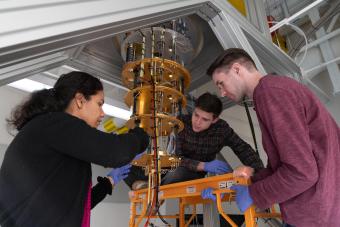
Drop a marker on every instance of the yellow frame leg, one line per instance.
(221, 211)
(192, 215)
(250, 217)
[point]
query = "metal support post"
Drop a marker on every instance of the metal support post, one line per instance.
(327, 53)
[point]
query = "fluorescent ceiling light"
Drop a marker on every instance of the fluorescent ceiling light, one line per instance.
(116, 112)
(31, 86)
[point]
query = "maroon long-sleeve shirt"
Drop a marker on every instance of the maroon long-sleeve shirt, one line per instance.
(302, 142)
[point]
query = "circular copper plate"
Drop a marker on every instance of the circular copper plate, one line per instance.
(166, 161)
(165, 124)
(171, 71)
(165, 99)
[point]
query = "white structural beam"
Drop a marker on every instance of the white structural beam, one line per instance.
(332, 23)
(295, 15)
(233, 30)
(320, 40)
(327, 53)
(308, 72)
(285, 9)
(38, 29)
(37, 19)
(230, 34)
(24, 69)
(97, 67)
(257, 15)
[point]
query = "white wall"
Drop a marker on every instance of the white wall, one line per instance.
(110, 215)
(237, 119)
(333, 107)
(10, 97)
(333, 104)
(3, 148)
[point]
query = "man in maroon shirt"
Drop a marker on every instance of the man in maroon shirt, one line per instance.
(301, 139)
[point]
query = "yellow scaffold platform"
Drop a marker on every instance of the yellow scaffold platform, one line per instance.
(189, 194)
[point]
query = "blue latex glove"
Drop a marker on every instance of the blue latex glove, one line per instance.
(120, 173)
(138, 156)
(217, 167)
(208, 194)
(243, 199)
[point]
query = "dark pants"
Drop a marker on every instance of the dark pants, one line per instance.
(181, 174)
(136, 173)
(178, 175)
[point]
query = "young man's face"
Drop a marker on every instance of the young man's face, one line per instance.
(229, 83)
(201, 120)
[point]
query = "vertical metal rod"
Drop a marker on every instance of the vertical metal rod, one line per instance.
(152, 43)
(162, 43)
(174, 58)
(141, 72)
(181, 85)
(135, 94)
(162, 52)
(180, 107)
(130, 53)
(162, 97)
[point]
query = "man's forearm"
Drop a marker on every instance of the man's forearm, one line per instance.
(190, 164)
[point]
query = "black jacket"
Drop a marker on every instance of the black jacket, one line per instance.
(46, 170)
(100, 190)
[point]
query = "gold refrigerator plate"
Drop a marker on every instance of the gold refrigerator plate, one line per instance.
(166, 161)
(165, 124)
(171, 71)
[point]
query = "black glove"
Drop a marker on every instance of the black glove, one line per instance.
(143, 136)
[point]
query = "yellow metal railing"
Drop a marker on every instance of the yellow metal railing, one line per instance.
(189, 193)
